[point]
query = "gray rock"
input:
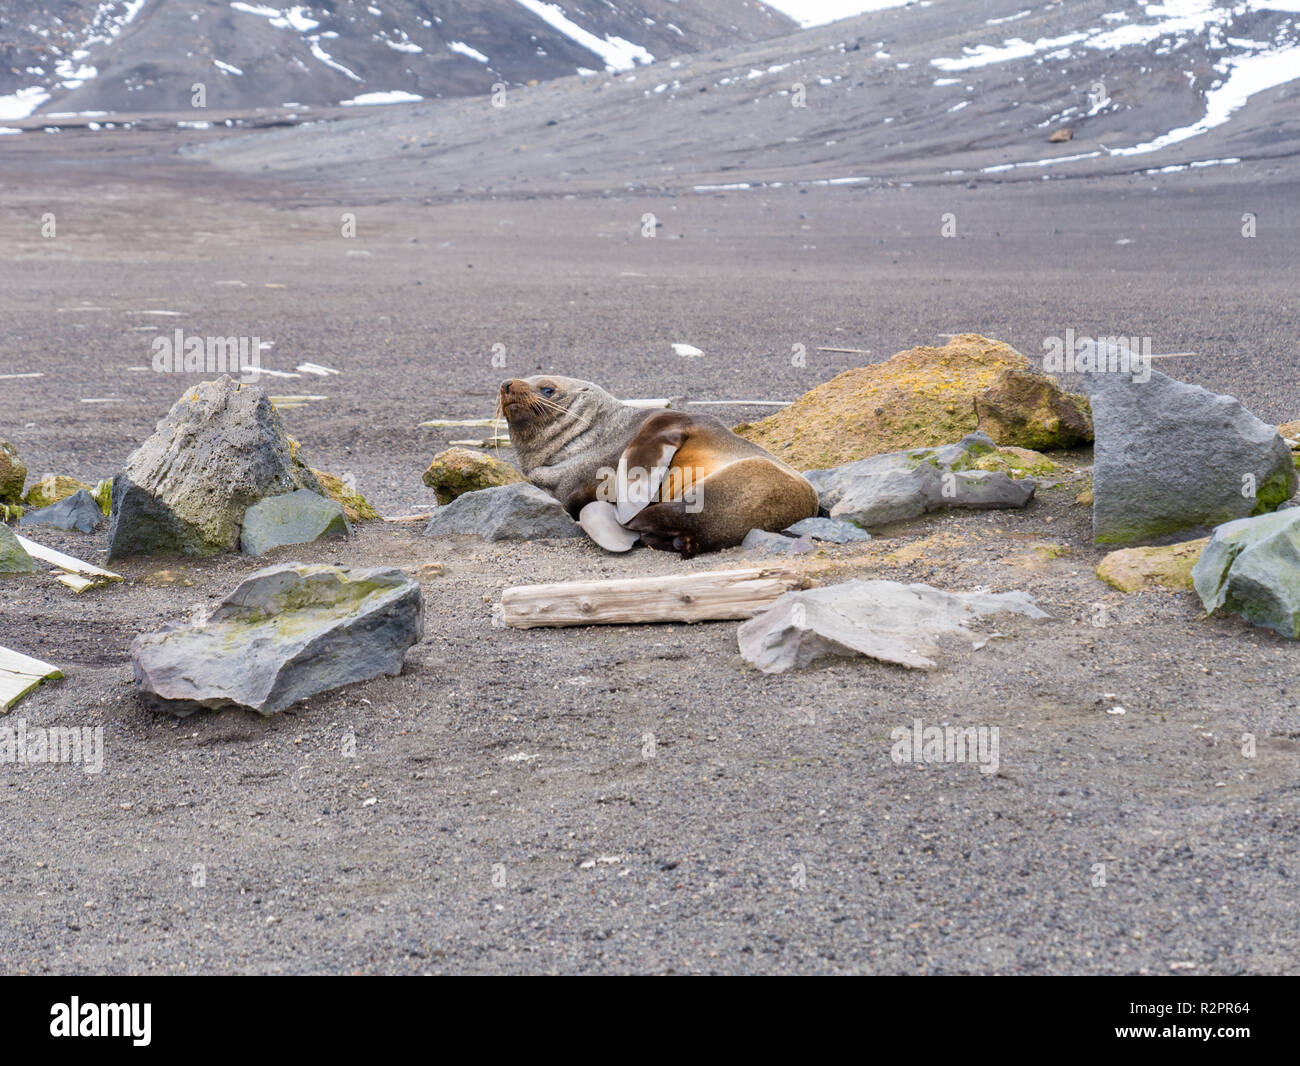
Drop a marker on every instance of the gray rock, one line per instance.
(1252, 567)
(78, 511)
(294, 518)
(885, 620)
(902, 485)
(775, 544)
(510, 512)
(13, 556)
(828, 529)
(286, 633)
(221, 449)
(1172, 457)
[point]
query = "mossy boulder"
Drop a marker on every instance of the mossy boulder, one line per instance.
(355, 506)
(13, 556)
(103, 494)
(1168, 566)
(1252, 568)
(13, 474)
(923, 397)
(220, 450)
(459, 470)
(1017, 462)
(52, 489)
(1028, 409)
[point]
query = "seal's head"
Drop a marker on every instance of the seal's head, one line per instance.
(548, 413)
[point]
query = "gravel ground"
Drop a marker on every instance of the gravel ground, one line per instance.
(637, 799)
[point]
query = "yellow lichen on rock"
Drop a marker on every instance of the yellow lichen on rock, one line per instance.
(918, 398)
(355, 506)
(1168, 566)
(52, 489)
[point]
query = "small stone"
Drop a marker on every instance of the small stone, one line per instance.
(828, 529)
(775, 544)
(77, 512)
(294, 518)
(510, 512)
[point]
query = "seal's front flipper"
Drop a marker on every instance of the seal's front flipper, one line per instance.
(601, 525)
(645, 463)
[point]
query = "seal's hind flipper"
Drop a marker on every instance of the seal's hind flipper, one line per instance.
(645, 463)
(600, 524)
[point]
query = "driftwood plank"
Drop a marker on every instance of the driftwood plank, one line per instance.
(19, 674)
(65, 562)
(711, 595)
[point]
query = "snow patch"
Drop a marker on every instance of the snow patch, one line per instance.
(618, 54)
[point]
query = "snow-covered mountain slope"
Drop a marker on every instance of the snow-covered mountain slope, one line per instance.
(147, 55)
(951, 91)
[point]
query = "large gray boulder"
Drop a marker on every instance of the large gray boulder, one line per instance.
(1252, 567)
(13, 556)
(294, 518)
(221, 449)
(77, 512)
(1172, 457)
(286, 633)
(511, 512)
(884, 620)
(902, 485)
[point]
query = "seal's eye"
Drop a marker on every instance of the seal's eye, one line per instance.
(547, 391)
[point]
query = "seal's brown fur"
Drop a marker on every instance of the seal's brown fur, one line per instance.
(717, 488)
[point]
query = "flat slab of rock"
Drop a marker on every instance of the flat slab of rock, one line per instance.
(1252, 568)
(1171, 457)
(286, 633)
(221, 449)
(510, 512)
(903, 485)
(294, 518)
(13, 556)
(884, 620)
(77, 512)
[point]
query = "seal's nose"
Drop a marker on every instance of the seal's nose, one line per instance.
(512, 385)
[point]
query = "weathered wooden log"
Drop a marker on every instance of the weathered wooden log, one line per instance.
(711, 595)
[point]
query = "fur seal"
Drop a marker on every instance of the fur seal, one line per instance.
(675, 481)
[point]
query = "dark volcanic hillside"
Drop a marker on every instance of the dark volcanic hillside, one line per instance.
(145, 55)
(958, 91)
